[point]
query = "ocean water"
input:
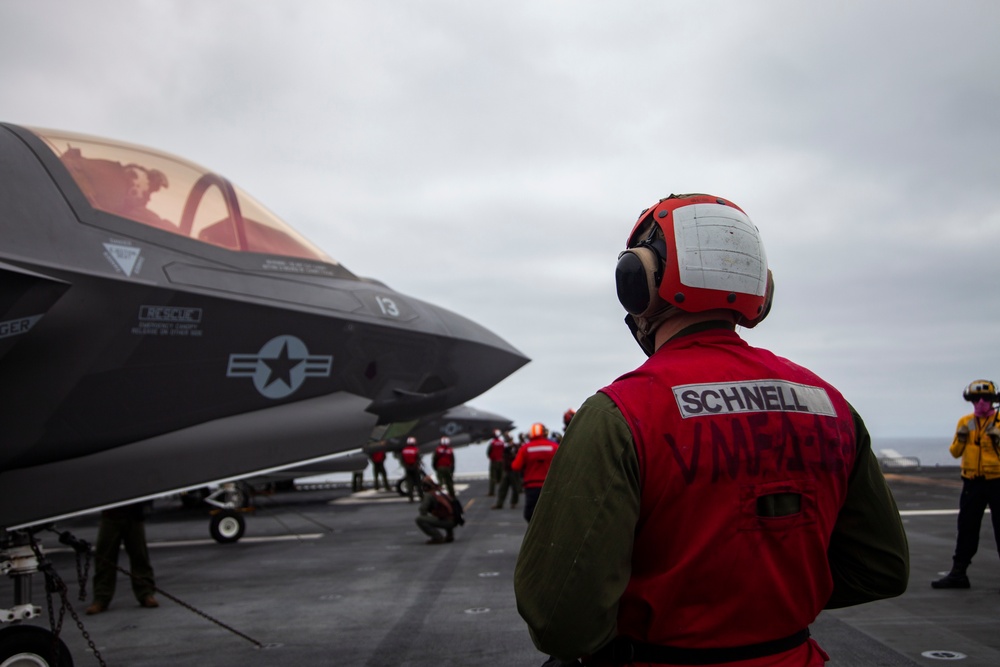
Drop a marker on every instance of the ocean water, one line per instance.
(931, 451)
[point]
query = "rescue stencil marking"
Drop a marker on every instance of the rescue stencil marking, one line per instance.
(18, 326)
(714, 398)
(124, 258)
(168, 321)
(280, 367)
(169, 314)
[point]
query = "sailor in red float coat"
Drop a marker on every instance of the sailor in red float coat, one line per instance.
(533, 461)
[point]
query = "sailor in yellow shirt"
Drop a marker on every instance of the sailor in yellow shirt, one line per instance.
(977, 442)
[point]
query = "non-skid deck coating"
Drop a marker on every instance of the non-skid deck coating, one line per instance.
(326, 577)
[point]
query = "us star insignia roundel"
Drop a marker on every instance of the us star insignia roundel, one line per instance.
(280, 367)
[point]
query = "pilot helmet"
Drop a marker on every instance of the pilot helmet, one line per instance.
(692, 253)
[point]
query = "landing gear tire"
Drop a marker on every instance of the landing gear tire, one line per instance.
(226, 527)
(32, 646)
(401, 487)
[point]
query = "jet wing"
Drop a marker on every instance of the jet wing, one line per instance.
(254, 443)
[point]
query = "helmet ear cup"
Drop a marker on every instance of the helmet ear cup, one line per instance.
(768, 299)
(637, 279)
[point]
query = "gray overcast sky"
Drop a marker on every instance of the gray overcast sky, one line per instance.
(491, 158)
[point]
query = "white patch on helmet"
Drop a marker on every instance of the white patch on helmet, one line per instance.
(719, 249)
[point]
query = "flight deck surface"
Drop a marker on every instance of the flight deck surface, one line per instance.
(330, 577)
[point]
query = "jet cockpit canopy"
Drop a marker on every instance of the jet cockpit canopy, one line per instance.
(174, 195)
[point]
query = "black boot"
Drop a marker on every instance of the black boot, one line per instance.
(954, 579)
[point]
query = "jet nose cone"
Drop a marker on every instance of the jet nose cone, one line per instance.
(470, 360)
(479, 365)
(496, 355)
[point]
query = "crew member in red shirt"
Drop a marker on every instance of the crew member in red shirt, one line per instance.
(444, 464)
(378, 468)
(707, 506)
(494, 452)
(410, 456)
(533, 461)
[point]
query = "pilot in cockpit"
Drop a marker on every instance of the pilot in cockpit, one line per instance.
(120, 189)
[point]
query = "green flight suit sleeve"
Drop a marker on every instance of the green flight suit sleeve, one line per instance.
(869, 556)
(575, 560)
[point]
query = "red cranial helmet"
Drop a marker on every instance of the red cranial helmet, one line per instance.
(693, 253)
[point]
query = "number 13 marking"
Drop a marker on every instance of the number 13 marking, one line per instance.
(387, 306)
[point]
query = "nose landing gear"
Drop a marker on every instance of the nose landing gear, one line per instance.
(227, 526)
(32, 646)
(24, 645)
(231, 501)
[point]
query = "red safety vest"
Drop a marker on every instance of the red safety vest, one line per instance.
(411, 455)
(533, 461)
(494, 452)
(444, 457)
(730, 425)
(378, 457)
